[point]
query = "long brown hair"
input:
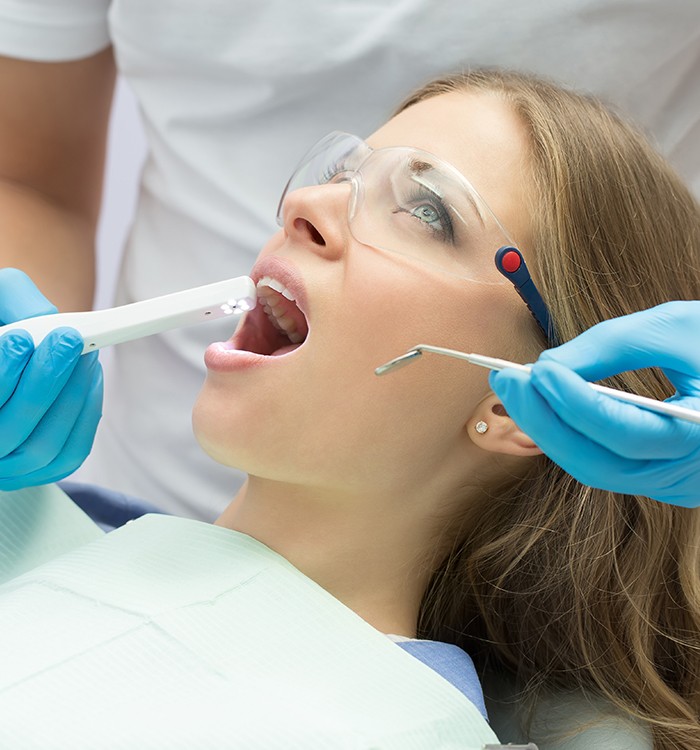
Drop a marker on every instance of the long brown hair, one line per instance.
(561, 584)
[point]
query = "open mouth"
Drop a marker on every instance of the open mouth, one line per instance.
(276, 326)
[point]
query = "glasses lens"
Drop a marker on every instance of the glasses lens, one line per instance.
(407, 201)
(419, 206)
(332, 156)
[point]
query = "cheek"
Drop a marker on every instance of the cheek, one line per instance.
(330, 414)
(453, 313)
(429, 396)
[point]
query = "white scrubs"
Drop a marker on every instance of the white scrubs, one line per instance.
(232, 93)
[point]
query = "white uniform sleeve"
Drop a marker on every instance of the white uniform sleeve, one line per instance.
(53, 30)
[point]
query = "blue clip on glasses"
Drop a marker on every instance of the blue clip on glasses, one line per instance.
(510, 262)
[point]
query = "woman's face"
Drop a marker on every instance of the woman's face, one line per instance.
(316, 414)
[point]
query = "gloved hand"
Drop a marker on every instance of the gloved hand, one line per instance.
(50, 398)
(599, 440)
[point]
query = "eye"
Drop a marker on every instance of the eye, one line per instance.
(338, 165)
(337, 170)
(428, 215)
(432, 214)
(330, 172)
(334, 178)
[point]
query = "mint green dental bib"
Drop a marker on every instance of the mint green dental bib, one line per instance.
(172, 633)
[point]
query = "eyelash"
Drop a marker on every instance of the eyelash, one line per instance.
(331, 170)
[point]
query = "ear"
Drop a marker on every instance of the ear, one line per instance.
(492, 429)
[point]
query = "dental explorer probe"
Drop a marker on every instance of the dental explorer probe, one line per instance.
(492, 363)
(116, 325)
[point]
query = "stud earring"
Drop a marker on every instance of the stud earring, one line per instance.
(481, 427)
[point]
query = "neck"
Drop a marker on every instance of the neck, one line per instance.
(369, 553)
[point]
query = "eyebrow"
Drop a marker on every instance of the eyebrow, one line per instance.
(419, 166)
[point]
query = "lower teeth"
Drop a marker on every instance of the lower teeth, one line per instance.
(294, 336)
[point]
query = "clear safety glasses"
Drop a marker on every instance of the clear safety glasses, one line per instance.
(410, 202)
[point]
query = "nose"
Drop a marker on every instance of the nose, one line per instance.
(317, 217)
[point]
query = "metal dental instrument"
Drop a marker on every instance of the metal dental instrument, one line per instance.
(119, 324)
(492, 363)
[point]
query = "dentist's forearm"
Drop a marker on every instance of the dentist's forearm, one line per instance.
(52, 245)
(53, 131)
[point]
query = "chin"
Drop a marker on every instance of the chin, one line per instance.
(226, 435)
(213, 432)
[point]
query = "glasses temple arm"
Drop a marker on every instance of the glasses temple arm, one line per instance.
(511, 264)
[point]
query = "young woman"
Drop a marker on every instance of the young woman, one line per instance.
(383, 490)
(414, 499)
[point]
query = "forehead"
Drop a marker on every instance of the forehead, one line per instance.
(480, 135)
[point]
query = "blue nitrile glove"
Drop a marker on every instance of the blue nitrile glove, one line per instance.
(50, 398)
(604, 442)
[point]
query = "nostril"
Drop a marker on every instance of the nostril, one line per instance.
(316, 236)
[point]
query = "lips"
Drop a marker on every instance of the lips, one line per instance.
(276, 327)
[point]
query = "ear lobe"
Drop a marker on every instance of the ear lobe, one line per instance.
(492, 429)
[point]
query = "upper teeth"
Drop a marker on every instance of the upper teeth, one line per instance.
(281, 321)
(278, 286)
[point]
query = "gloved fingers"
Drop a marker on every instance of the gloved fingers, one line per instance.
(586, 460)
(659, 337)
(551, 395)
(20, 298)
(16, 348)
(43, 378)
(669, 480)
(684, 383)
(63, 437)
(675, 482)
(624, 429)
(82, 436)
